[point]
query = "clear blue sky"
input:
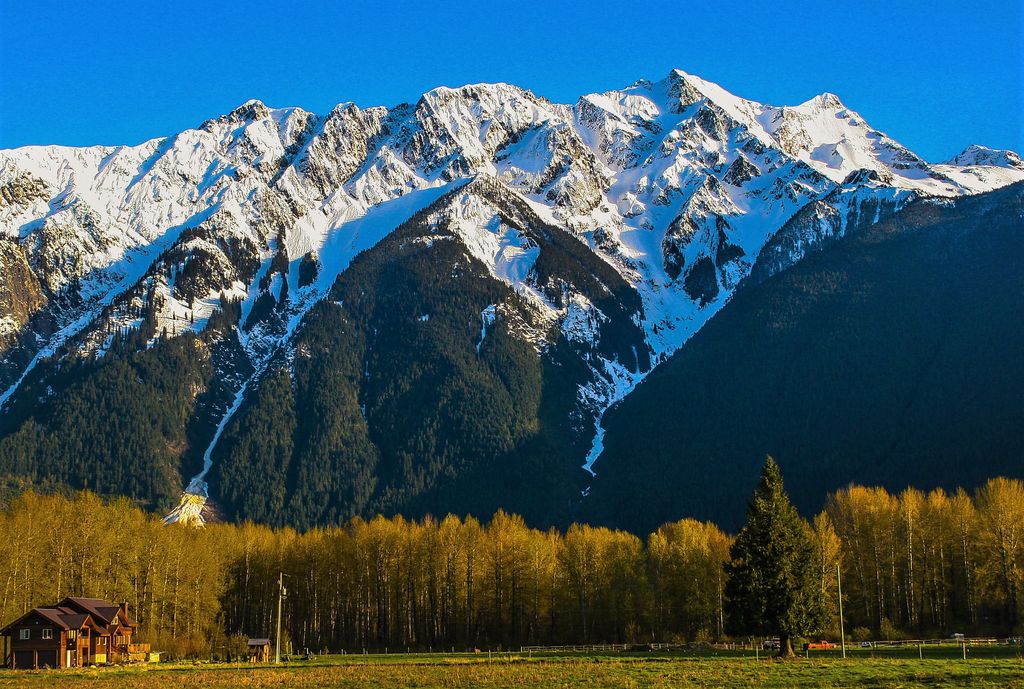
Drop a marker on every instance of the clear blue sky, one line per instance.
(934, 75)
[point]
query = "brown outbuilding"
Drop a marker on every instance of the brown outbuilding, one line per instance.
(259, 650)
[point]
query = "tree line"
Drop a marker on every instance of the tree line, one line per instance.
(913, 563)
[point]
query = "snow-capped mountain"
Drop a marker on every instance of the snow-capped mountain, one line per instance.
(608, 232)
(974, 156)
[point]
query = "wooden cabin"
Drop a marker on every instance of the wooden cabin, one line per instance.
(73, 633)
(259, 650)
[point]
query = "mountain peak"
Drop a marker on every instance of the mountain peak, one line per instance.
(705, 88)
(252, 109)
(496, 89)
(686, 89)
(824, 101)
(976, 154)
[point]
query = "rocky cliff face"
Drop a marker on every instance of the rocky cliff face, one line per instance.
(20, 293)
(237, 231)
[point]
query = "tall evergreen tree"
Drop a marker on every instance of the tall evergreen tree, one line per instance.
(772, 586)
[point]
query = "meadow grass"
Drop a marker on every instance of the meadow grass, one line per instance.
(997, 667)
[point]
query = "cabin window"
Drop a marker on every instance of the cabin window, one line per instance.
(73, 634)
(101, 641)
(25, 634)
(47, 633)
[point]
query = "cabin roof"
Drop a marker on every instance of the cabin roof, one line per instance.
(259, 642)
(76, 620)
(62, 618)
(104, 611)
(76, 612)
(53, 615)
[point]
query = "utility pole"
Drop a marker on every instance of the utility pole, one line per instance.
(721, 609)
(281, 593)
(842, 632)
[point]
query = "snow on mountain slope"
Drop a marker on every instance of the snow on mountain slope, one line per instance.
(339, 249)
(676, 185)
(975, 155)
(863, 200)
(837, 141)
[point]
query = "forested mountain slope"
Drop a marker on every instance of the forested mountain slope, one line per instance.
(417, 384)
(894, 356)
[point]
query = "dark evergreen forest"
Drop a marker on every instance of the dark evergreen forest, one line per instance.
(892, 357)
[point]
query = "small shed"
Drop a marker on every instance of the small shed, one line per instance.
(259, 650)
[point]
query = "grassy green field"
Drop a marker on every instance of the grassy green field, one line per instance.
(985, 667)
